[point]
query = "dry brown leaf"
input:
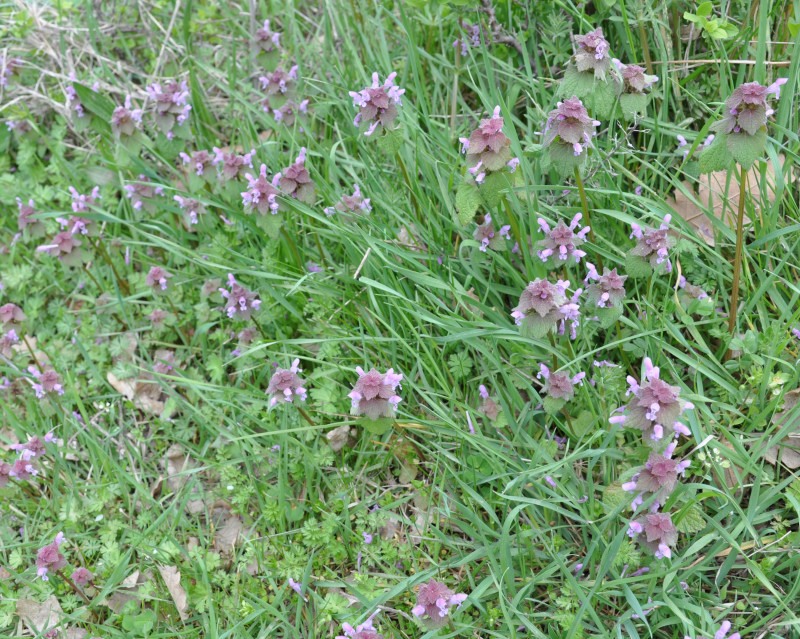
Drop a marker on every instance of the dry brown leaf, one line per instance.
(716, 194)
(172, 579)
(228, 534)
(178, 466)
(338, 437)
(787, 450)
(75, 633)
(145, 394)
(39, 616)
(127, 591)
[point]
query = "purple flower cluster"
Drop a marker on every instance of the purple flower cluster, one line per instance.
(199, 161)
(279, 82)
(11, 316)
(378, 103)
(142, 194)
(562, 240)
(488, 238)
(355, 203)
(261, 195)
(171, 105)
(232, 165)
(472, 38)
(66, 247)
(295, 181)
(363, 631)
(544, 307)
(434, 603)
(746, 110)
(48, 382)
(606, 290)
(655, 408)
(125, 119)
(240, 302)
(634, 78)
(24, 468)
(659, 533)
(569, 125)
(658, 477)
(488, 149)
(374, 394)
(266, 39)
(82, 203)
(559, 385)
(285, 384)
(652, 245)
(49, 558)
(157, 278)
(592, 53)
(26, 220)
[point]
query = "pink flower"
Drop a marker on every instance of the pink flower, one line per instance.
(606, 290)
(653, 245)
(5, 474)
(143, 193)
(377, 104)
(23, 470)
(199, 161)
(49, 558)
(26, 219)
(655, 408)
(232, 165)
(66, 247)
(240, 302)
(660, 534)
(157, 278)
(634, 78)
(193, 209)
(285, 384)
(658, 477)
(562, 241)
(262, 193)
(355, 203)
(434, 603)
(569, 124)
(489, 238)
(363, 631)
(125, 119)
(592, 53)
(746, 110)
(287, 112)
(279, 82)
(170, 105)
(559, 384)
(374, 393)
(266, 39)
(11, 315)
(488, 149)
(47, 382)
(82, 203)
(295, 181)
(81, 577)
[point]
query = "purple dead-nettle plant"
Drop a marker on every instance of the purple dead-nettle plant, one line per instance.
(142, 194)
(652, 248)
(374, 395)
(691, 290)
(125, 119)
(471, 39)
(558, 387)
(279, 82)
(656, 532)
(47, 382)
(266, 39)
(192, 209)
(5, 474)
(262, 193)
(378, 103)
(34, 447)
(73, 101)
(49, 558)
(76, 225)
(355, 203)
(658, 477)
(66, 247)
(286, 113)
(11, 316)
(635, 80)
(539, 308)
(562, 241)
(26, 221)
(571, 315)
(592, 53)
(747, 110)
(569, 129)
(171, 105)
(435, 602)
(285, 384)
(240, 303)
(7, 342)
(9, 67)
(655, 407)
(82, 203)
(199, 161)
(157, 278)
(232, 165)
(23, 470)
(722, 633)
(606, 290)
(81, 577)
(295, 181)
(489, 238)
(363, 631)
(488, 149)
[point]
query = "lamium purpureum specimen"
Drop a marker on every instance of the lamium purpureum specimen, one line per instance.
(544, 307)
(558, 387)
(568, 134)
(591, 76)
(374, 398)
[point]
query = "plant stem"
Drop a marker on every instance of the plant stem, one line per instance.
(72, 585)
(123, 284)
(305, 415)
(737, 261)
(587, 220)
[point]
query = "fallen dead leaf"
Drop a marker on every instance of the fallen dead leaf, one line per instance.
(716, 193)
(39, 616)
(228, 534)
(172, 579)
(179, 463)
(145, 394)
(338, 437)
(127, 591)
(787, 450)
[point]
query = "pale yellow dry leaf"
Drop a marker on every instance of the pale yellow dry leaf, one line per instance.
(228, 534)
(718, 195)
(338, 437)
(787, 450)
(39, 616)
(172, 579)
(178, 465)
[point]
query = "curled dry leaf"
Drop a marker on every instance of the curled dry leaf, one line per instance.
(718, 194)
(145, 394)
(228, 535)
(787, 451)
(39, 616)
(172, 579)
(338, 437)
